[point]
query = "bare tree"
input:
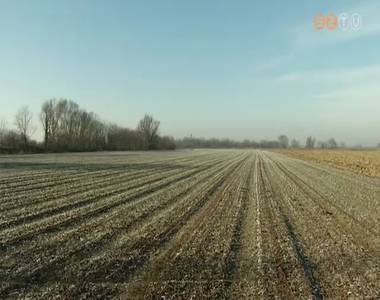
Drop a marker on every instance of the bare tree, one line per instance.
(321, 144)
(295, 144)
(148, 130)
(47, 118)
(23, 122)
(167, 143)
(310, 142)
(67, 127)
(3, 130)
(3, 125)
(332, 144)
(284, 141)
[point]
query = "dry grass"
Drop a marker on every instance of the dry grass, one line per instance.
(365, 162)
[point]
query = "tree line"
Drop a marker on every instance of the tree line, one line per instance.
(67, 127)
(282, 142)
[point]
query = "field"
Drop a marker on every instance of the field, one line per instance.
(202, 224)
(366, 162)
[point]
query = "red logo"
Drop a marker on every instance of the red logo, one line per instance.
(322, 22)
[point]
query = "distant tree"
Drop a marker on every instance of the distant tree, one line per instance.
(332, 144)
(3, 125)
(120, 139)
(12, 140)
(269, 144)
(322, 145)
(246, 144)
(67, 127)
(310, 142)
(193, 142)
(329, 144)
(48, 120)
(166, 143)
(342, 145)
(3, 130)
(148, 131)
(283, 141)
(295, 144)
(23, 122)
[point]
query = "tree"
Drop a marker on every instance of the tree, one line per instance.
(322, 145)
(23, 122)
(67, 127)
(11, 140)
(3, 125)
(332, 144)
(284, 141)
(167, 143)
(120, 139)
(269, 144)
(47, 118)
(148, 131)
(295, 144)
(3, 130)
(310, 142)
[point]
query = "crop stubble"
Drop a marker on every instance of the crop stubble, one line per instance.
(213, 224)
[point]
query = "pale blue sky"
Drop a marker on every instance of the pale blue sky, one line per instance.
(238, 69)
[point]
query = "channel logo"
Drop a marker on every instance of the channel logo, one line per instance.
(332, 22)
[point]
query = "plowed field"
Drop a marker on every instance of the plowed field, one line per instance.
(202, 224)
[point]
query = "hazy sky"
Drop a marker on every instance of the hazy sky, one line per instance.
(238, 69)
